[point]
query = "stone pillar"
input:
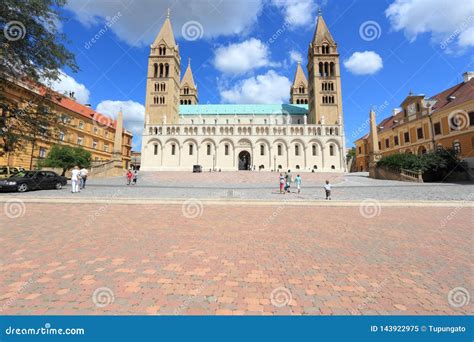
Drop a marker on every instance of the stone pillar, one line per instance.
(374, 153)
(118, 140)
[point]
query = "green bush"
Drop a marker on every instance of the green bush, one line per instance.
(435, 165)
(66, 157)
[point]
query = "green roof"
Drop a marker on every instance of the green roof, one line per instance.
(243, 109)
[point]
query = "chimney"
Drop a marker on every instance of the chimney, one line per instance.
(468, 75)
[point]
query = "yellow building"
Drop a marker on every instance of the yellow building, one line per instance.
(80, 126)
(422, 124)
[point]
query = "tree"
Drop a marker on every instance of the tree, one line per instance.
(66, 157)
(351, 153)
(32, 51)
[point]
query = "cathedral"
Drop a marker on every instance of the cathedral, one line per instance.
(305, 135)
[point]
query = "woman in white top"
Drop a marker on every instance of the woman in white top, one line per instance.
(75, 179)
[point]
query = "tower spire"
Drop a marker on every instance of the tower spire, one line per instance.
(168, 13)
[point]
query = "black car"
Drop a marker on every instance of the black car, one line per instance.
(33, 180)
(197, 168)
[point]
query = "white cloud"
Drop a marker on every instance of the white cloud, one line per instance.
(364, 63)
(66, 84)
(297, 12)
(447, 21)
(266, 88)
(295, 56)
(133, 116)
(242, 57)
(140, 21)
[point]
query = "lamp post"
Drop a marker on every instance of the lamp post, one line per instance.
(430, 117)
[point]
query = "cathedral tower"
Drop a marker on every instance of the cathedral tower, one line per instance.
(325, 100)
(188, 92)
(299, 90)
(162, 85)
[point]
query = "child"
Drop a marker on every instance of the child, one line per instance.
(282, 184)
(129, 177)
(298, 183)
(135, 177)
(327, 187)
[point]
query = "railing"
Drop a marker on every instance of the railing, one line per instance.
(416, 176)
(242, 129)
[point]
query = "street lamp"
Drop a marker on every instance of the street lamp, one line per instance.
(430, 117)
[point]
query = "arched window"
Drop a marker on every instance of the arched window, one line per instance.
(226, 149)
(191, 149)
(167, 70)
(314, 149)
(173, 149)
(326, 69)
(181, 101)
(321, 69)
(161, 69)
(331, 150)
(208, 147)
(279, 150)
(155, 70)
(306, 101)
(262, 149)
(297, 101)
(331, 69)
(297, 150)
(155, 149)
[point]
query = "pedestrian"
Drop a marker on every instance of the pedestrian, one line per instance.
(282, 183)
(327, 187)
(75, 174)
(129, 177)
(289, 180)
(135, 177)
(83, 177)
(298, 183)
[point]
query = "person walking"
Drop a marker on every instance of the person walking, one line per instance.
(289, 180)
(129, 177)
(135, 177)
(83, 177)
(75, 175)
(282, 183)
(298, 183)
(327, 188)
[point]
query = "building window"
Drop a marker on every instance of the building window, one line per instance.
(94, 144)
(331, 150)
(262, 150)
(380, 145)
(191, 149)
(297, 150)
(80, 140)
(406, 137)
(208, 147)
(42, 152)
(226, 149)
(315, 150)
(96, 130)
(387, 143)
(279, 150)
(106, 147)
(61, 136)
(106, 133)
(173, 149)
(437, 128)
(155, 149)
(395, 140)
(471, 119)
(457, 147)
(419, 133)
(81, 124)
(360, 150)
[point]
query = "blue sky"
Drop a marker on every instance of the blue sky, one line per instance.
(246, 50)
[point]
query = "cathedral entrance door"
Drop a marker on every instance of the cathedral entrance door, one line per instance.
(244, 160)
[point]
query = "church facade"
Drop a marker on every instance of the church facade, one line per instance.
(305, 135)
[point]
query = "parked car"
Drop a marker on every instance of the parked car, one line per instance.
(197, 168)
(8, 171)
(33, 180)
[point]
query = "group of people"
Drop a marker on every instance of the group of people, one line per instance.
(78, 179)
(132, 177)
(287, 179)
